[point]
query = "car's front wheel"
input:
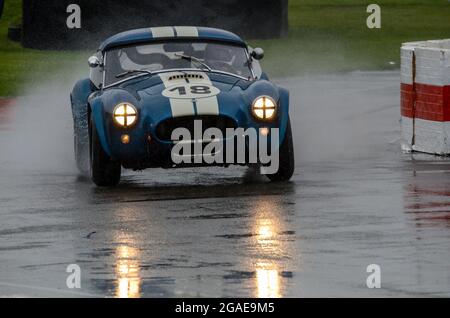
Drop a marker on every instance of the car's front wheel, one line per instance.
(286, 160)
(105, 172)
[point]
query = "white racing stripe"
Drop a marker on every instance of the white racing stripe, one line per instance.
(181, 107)
(178, 31)
(207, 106)
(186, 31)
(188, 107)
(163, 32)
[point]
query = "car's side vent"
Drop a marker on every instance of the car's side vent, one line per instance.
(183, 76)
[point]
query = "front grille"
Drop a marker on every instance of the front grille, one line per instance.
(165, 128)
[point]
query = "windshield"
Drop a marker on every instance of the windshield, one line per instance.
(176, 55)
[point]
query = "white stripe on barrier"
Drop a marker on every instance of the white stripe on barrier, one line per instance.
(430, 66)
(430, 136)
(406, 65)
(432, 62)
(407, 130)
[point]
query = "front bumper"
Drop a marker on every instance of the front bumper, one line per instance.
(162, 155)
(146, 149)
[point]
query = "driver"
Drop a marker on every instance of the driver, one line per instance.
(219, 58)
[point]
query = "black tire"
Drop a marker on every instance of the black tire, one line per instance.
(81, 150)
(105, 172)
(287, 161)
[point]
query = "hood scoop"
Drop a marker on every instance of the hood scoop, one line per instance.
(184, 76)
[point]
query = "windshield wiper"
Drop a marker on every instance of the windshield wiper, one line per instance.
(129, 72)
(193, 58)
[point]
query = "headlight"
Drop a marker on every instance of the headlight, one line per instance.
(125, 115)
(264, 108)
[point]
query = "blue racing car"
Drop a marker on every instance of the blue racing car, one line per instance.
(155, 94)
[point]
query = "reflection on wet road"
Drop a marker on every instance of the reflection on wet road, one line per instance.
(427, 198)
(128, 273)
(355, 200)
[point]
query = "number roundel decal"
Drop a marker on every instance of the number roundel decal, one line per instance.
(190, 91)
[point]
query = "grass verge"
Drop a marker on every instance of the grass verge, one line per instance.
(324, 36)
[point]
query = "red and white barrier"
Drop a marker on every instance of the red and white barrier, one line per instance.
(425, 96)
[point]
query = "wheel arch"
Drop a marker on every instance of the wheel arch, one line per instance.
(284, 111)
(79, 104)
(95, 111)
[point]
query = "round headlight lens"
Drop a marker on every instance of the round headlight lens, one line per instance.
(264, 108)
(125, 115)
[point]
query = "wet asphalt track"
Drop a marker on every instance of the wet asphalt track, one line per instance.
(355, 200)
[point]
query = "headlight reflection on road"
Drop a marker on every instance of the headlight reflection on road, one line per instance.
(127, 256)
(265, 233)
(267, 226)
(268, 281)
(127, 272)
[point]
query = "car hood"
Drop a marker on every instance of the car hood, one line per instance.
(188, 93)
(149, 86)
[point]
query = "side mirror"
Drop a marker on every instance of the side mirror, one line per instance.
(93, 61)
(257, 53)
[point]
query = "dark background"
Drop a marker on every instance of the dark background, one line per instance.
(1, 7)
(44, 21)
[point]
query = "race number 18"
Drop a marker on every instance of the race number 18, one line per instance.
(190, 91)
(197, 89)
